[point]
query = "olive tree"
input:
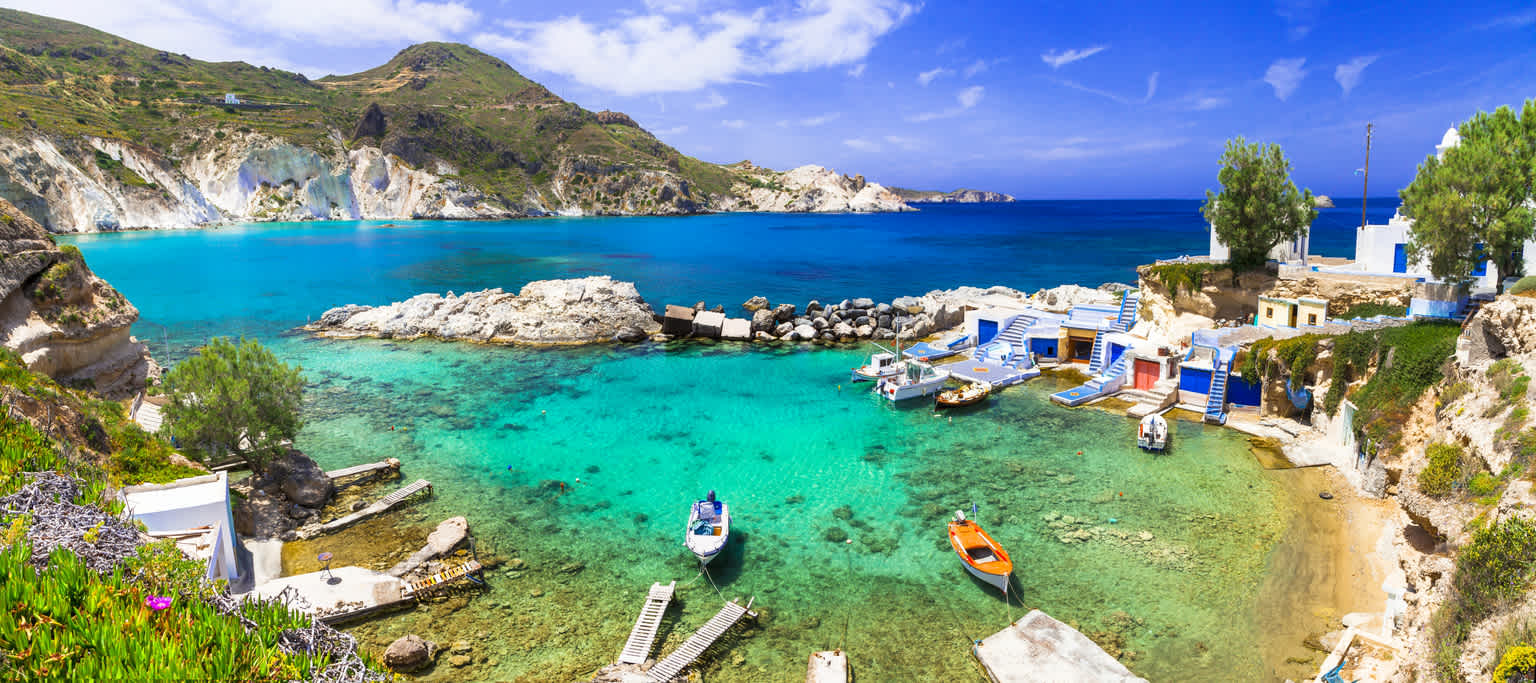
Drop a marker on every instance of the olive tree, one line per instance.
(1258, 207)
(1475, 202)
(237, 398)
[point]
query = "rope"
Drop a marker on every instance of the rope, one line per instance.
(705, 571)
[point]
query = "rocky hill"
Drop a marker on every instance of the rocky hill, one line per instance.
(100, 133)
(59, 317)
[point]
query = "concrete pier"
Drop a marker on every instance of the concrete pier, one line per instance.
(1039, 649)
(829, 666)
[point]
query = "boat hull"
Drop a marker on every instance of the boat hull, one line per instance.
(865, 374)
(998, 581)
(706, 547)
(980, 554)
(1152, 434)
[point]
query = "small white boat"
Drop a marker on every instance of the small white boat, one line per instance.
(918, 379)
(709, 527)
(1152, 435)
(881, 365)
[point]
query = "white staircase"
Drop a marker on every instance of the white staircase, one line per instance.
(638, 647)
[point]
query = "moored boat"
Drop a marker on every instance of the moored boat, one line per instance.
(968, 395)
(881, 365)
(1152, 433)
(709, 527)
(917, 379)
(983, 557)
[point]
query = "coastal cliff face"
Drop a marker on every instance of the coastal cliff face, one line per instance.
(545, 312)
(59, 317)
(961, 196)
(808, 189)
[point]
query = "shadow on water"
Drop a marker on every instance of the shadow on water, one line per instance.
(728, 565)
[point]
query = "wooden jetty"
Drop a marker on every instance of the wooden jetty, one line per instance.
(643, 635)
(377, 507)
(362, 473)
(669, 668)
(828, 666)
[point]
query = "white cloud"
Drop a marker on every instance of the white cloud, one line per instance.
(1151, 87)
(1285, 75)
(965, 99)
(734, 123)
(1518, 20)
(928, 76)
(1349, 73)
(1065, 57)
(857, 70)
(673, 6)
(1085, 148)
(862, 145)
(675, 130)
(976, 67)
(904, 142)
(712, 101)
(820, 120)
(667, 52)
(1208, 103)
(1300, 16)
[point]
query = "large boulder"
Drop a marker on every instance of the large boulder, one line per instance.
(763, 320)
(755, 304)
(707, 324)
(784, 312)
(448, 535)
(298, 478)
(678, 321)
(736, 329)
(805, 333)
(409, 653)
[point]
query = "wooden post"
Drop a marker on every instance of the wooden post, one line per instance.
(1366, 184)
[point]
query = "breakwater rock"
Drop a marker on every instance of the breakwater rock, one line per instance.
(545, 312)
(904, 318)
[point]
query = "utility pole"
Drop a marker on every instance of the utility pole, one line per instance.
(1366, 185)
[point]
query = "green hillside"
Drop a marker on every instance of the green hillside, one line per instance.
(434, 102)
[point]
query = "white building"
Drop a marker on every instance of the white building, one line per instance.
(1382, 249)
(193, 512)
(1291, 252)
(229, 98)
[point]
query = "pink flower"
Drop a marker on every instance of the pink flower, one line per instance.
(157, 603)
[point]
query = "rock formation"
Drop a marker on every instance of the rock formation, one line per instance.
(409, 653)
(63, 320)
(448, 535)
(808, 189)
(961, 196)
(577, 311)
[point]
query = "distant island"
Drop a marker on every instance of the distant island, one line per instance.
(961, 196)
(1322, 201)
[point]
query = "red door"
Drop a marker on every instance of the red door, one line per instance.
(1146, 373)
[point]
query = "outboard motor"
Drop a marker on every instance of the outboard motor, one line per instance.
(711, 496)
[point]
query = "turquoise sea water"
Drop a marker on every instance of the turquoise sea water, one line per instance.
(807, 461)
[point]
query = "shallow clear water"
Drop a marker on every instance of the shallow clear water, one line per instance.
(805, 459)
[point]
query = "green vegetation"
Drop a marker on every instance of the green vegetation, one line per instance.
(1444, 470)
(1258, 207)
(1418, 352)
(1517, 661)
(500, 131)
(1371, 309)
(1497, 566)
(1296, 354)
(1182, 277)
(1472, 204)
(1525, 286)
(235, 398)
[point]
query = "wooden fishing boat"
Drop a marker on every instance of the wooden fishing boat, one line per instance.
(709, 527)
(983, 557)
(968, 395)
(1152, 434)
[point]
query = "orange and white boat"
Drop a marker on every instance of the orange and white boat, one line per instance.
(983, 557)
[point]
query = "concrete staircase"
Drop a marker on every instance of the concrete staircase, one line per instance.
(1216, 398)
(1130, 303)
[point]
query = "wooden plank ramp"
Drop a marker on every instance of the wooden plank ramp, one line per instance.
(361, 469)
(643, 635)
(377, 507)
(684, 656)
(435, 581)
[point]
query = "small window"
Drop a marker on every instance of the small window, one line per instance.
(1269, 311)
(1311, 318)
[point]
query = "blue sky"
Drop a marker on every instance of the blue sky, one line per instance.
(1068, 100)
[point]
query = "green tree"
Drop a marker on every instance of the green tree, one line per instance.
(1472, 204)
(1259, 207)
(237, 398)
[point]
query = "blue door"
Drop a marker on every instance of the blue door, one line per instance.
(985, 331)
(1399, 259)
(1482, 262)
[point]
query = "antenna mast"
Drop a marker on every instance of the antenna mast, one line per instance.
(1365, 186)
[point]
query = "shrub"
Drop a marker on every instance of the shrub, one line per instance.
(1482, 484)
(1518, 660)
(1371, 309)
(1494, 568)
(1526, 286)
(1182, 277)
(1443, 471)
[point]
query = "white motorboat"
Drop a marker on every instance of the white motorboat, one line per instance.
(709, 527)
(918, 380)
(1152, 435)
(881, 365)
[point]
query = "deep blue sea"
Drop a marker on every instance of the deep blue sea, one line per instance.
(581, 462)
